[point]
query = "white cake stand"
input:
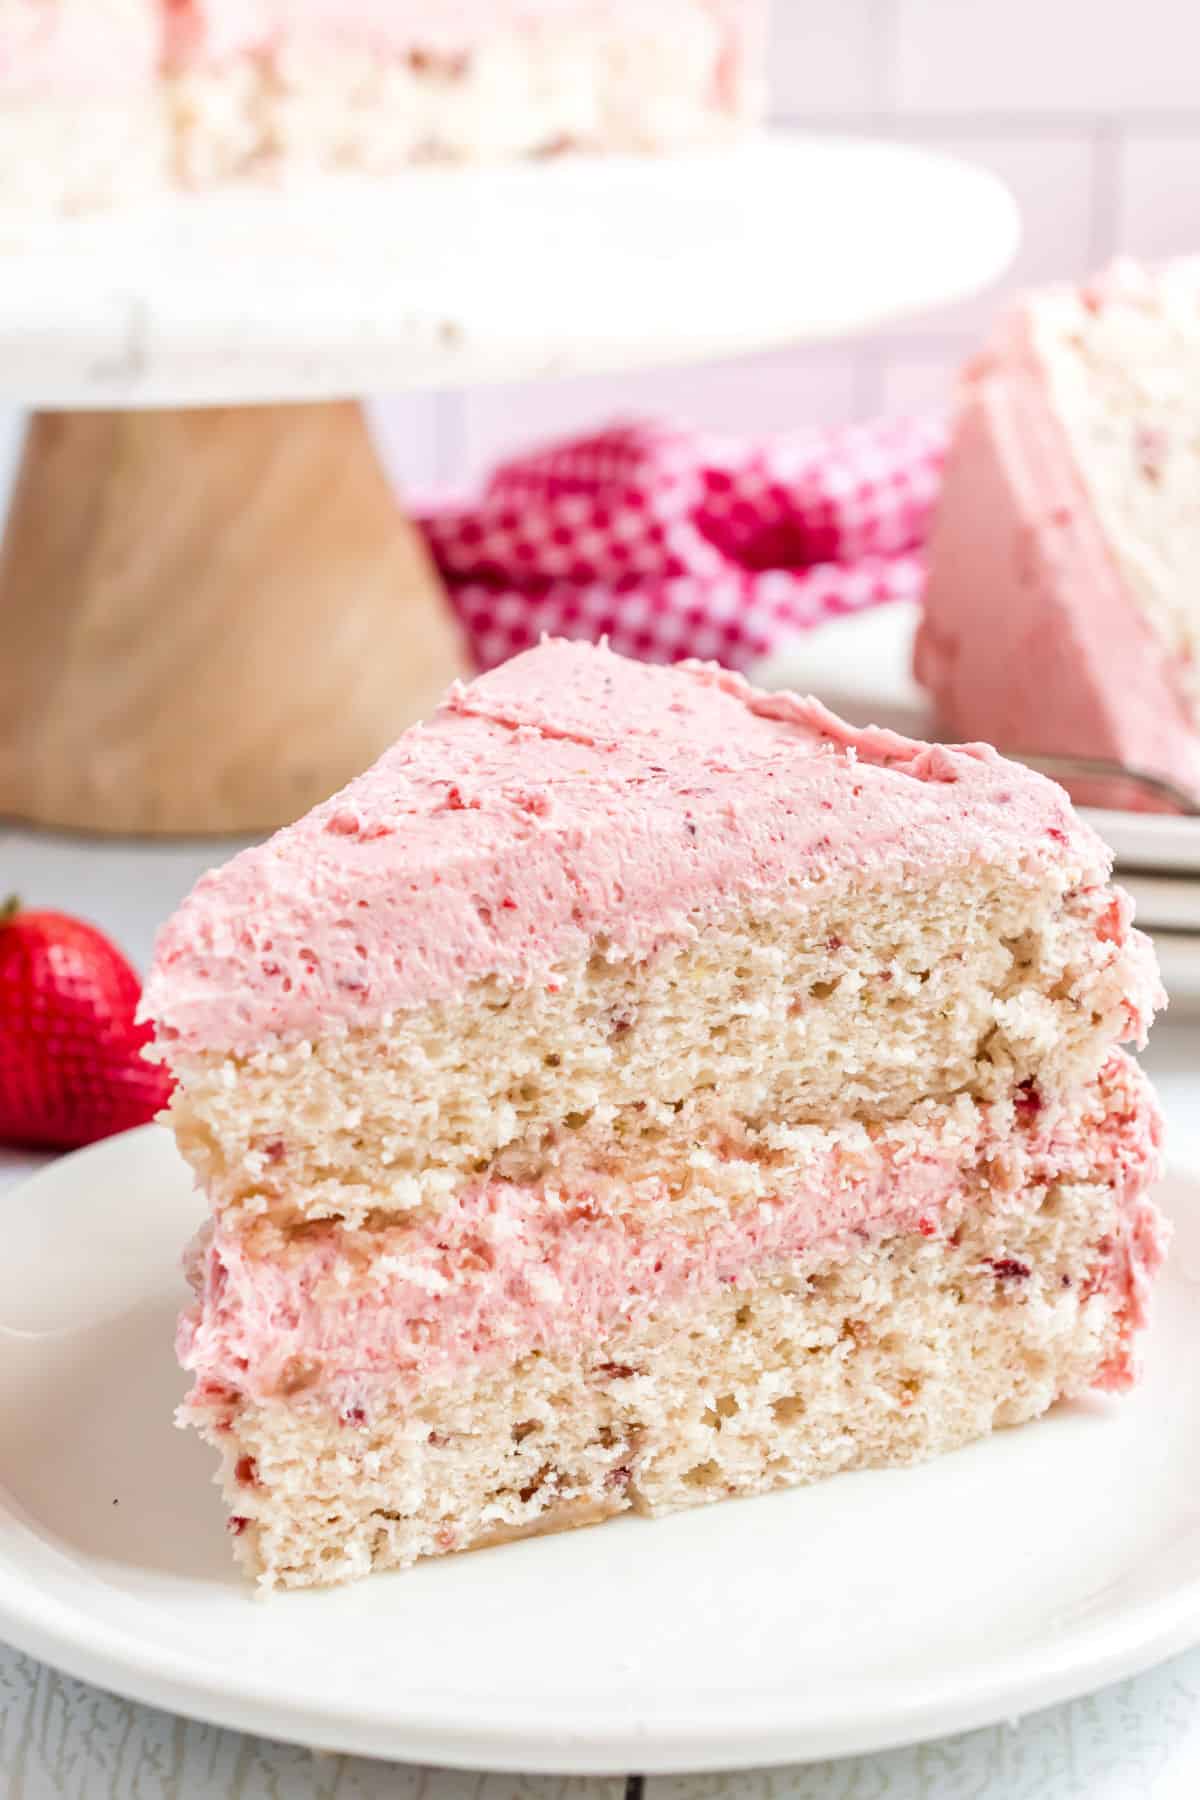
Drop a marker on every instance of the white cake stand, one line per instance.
(212, 610)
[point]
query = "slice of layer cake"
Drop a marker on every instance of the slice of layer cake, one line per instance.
(83, 117)
(638, 1090)
(1062, 612)
(335, 84)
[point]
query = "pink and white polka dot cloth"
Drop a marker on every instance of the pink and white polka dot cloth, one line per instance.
(673, 543)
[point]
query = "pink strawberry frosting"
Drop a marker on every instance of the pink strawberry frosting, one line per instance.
(505, 1269)
(83, 46)
(568, 795)
(1029, 637)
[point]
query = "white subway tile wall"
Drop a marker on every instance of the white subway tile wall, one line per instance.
(1156, 191)
(1089, 109)
(769, 392)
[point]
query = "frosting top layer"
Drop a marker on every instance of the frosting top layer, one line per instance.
(568, 797)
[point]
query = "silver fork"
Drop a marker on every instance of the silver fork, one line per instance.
(1067, 768)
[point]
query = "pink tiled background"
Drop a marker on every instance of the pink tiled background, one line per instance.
(1089, 109)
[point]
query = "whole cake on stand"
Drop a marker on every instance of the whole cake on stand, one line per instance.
(103, 100)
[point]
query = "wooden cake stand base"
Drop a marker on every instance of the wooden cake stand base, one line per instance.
(209, 620)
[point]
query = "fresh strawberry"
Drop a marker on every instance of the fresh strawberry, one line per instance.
(71, 1069)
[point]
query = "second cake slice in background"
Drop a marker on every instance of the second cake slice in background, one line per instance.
(1062, 611)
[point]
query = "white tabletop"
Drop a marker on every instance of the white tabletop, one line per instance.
(59, 1738)
(335, 287)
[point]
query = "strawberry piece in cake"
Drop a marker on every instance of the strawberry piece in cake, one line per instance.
(638, 1090)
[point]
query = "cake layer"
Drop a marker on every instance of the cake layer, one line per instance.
(216, 30)
(373, 87)
(506, 1270)
(1066, 546)
(904, 1347)
(851, 1000)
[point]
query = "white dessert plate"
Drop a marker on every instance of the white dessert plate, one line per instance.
(872, 1610)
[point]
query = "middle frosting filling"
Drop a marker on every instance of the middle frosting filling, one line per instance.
(503, 1269)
